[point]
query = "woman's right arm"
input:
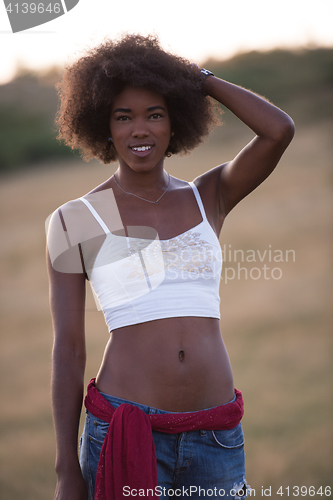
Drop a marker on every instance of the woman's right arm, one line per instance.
(67, 300)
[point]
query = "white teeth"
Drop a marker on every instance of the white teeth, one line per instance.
(142, 148)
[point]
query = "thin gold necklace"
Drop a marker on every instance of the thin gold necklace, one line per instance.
(140, 198)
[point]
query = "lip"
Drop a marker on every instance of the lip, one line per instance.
(141, 154)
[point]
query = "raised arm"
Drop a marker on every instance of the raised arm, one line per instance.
(274, 130)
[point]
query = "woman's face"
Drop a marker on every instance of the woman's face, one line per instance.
(140, 128)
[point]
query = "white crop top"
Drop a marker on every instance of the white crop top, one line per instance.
(137, 279)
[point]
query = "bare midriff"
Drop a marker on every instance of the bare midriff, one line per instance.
(174, 364)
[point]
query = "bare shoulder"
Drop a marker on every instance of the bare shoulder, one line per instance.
(208, 185)
(69, 218)
(209, 181)
(67, 228)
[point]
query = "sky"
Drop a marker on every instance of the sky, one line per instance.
(193, 29)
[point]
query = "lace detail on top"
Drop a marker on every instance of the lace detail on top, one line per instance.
(137, 280)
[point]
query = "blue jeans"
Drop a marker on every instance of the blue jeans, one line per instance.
(191, 464)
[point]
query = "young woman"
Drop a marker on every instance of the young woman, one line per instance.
(148, 243)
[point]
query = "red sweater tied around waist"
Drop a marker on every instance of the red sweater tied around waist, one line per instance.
(128, 456)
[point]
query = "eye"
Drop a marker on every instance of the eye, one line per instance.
(122, 118)
(155, 116)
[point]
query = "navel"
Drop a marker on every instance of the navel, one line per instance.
(181, 355)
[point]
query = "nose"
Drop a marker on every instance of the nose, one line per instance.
(140, 128)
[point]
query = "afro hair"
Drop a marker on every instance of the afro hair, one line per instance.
(90, 85)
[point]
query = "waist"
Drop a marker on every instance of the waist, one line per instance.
(150, 410)
(176, 365)
(106, 407)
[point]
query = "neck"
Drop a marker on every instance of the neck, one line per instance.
(143, 182)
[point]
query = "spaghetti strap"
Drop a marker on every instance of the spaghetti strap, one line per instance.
(95, 214)
(198, 198)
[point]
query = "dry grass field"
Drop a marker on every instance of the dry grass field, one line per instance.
(277, 326)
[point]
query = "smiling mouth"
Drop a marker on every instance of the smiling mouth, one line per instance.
(140, 148)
